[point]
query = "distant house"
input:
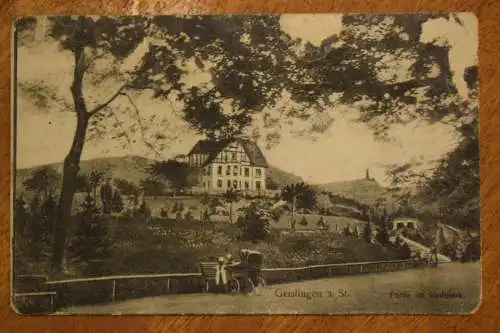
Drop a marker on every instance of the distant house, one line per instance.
(237, 164)
(405, 222)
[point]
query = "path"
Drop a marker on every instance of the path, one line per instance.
(456, 286)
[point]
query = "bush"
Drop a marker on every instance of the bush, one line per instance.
(91, 246)
(303, 221)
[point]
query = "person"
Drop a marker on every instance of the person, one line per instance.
(229, 258)
(221, 273)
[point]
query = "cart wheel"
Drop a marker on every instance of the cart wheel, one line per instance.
(261, 282)
(234, 285)
(249, 286)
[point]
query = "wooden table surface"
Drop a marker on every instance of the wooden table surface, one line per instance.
(486, 318)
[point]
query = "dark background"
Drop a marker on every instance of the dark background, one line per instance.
(485, 319)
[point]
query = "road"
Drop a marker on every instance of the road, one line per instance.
(450, 288)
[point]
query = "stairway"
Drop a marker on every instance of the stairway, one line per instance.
(426, 251)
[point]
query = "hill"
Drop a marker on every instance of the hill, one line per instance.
(366, 191)
(133, 169)
(281, 177)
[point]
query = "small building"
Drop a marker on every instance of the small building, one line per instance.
(405, 223)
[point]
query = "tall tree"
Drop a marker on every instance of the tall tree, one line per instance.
(233, 50)
(299, 195)
(152, 187)
(106, 195)
(231, 196)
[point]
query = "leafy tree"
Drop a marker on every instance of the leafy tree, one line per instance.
(95, 179)
(367, 233)
(152, 187)
(163, 212)
(107, 198)
(231, 196)
(175, 207)
(298, 195)
(321, 223)
(254, 222)
(43, 180)
(125, 187)
(116, 202)
(271, 184)
(91, 245)
(82, 183)
(21, 216)
(179, 175)
(347, 231)
(143, 213)
(383, 235)
(188, 217)
(205, 219)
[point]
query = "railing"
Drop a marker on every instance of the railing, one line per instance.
(73, 292)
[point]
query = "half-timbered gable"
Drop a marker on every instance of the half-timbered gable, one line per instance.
(238, 164)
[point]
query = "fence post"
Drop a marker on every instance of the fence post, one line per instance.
(168, 285)
(113, 291)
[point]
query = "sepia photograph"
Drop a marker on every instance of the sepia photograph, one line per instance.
(246, 164)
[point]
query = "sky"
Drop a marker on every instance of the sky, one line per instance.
(343, 152)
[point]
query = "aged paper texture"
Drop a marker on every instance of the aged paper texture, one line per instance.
(246, 164)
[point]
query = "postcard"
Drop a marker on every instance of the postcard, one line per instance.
(246, 164)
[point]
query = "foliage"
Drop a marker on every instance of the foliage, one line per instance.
(383, 235)
(271, 184)
(125, 187)
(254, 222)
(143, 213)
(82, 183)
(302, 194)
(90, 246)
(179, 175)
(152, 187)
(163, 212)
(117, 202)
(231, 196)
(303, 221)
(107, 196)
(321, 223)
(367, 233)
(43, 180)
(188, 217)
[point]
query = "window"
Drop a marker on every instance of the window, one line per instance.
(235, 171)
(235, 183)
(228, 170)
(257, 185)
(203, 184)
(247, 185)
(258, 173)
(247, 172)
(219, 183)
(233, 156)
(228, 183)
(209, 170)
(225, 156)
(208, 184)
(219, 170)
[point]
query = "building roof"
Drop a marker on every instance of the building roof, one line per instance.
(213, 148)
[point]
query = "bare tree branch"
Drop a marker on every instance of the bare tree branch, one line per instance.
(110, 100)
(93, 59)
(141, 125)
